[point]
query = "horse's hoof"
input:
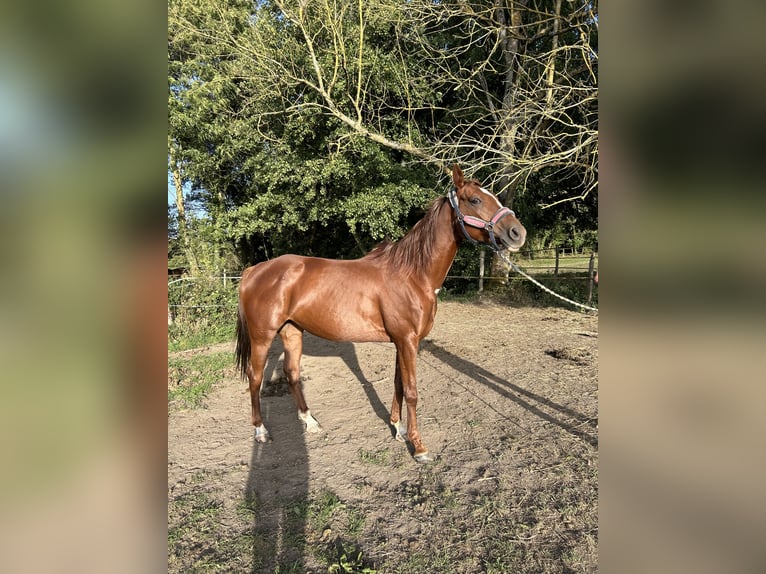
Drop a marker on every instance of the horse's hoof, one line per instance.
(313, 428)
(312, 425)
(261, 434)
(424, 457)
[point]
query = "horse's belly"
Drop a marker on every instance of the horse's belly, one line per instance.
(344, 316)
(348, 333)
(343, 328)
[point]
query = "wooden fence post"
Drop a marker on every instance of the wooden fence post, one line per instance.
(556, 269)
(590, 277)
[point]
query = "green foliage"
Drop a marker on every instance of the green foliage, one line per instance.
(321, 508)
(574, 286)
(272, 108)
(205, 312)
(350, 561)
(379, 212)
(570, 224)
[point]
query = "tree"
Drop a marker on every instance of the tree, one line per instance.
(307, 115)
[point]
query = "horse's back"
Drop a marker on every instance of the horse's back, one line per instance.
(334, 299)
(295, 271)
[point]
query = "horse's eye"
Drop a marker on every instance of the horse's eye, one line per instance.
(475, 201)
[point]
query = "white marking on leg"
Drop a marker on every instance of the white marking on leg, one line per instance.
(261, 434)
(401, 431)
(424, 457)
(312, 425)
(436, 291)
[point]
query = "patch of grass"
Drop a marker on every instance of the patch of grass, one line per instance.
(196, 541)
(321, 508)
(332, 529)
(427, 561)
(185, 337)
(545, 521)
(247, 509)
(497, 566)
(199, 514)
(205, 312)
(378, 457)
(355, 522)
(190, 378)
(521, 292)
(348, 559)
(460, 291)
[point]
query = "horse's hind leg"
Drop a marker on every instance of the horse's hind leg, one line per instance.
(292, 339)
(260, 351)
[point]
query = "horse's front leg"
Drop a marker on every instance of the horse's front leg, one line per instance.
(406, 357)
(400, 432)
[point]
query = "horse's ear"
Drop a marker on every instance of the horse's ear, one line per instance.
(457, 176)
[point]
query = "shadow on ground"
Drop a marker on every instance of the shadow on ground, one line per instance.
(564, 417)
(277, 490)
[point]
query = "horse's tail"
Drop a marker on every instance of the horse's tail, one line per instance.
(243, 343)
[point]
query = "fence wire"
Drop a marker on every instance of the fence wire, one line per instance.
(234, 278)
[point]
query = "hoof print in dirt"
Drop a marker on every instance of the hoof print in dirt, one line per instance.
(581, 357)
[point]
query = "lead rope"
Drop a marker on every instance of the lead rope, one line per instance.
(543, 287)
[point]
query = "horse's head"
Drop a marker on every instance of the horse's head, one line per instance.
(482, 217)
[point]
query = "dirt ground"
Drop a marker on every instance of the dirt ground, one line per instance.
(508, 403)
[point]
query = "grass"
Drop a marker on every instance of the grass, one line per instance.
(548, 264)
(196, 542)
(350, 561)
(541, 519)
(184, 337)
(427, 561)
(331, 528)
(520, 292)
(191, 377)
(321, 508)
(378, 457)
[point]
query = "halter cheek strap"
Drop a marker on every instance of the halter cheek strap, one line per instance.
(488, 226)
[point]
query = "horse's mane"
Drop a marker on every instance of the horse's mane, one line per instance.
(413, 252)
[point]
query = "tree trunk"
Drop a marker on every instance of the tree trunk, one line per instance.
(183, 232)
(508, 15)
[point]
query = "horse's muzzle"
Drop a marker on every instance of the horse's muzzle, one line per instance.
(514, 237)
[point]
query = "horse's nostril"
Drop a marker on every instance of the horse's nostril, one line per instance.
(514, 233)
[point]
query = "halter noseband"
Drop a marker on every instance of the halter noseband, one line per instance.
(488, 226)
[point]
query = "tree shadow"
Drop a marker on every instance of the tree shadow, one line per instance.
(532, 402)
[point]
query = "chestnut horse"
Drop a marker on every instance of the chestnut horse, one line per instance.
(388, 295)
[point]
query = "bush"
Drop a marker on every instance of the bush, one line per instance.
(204, 310)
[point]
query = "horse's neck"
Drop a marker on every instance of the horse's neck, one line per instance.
(444, 247)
